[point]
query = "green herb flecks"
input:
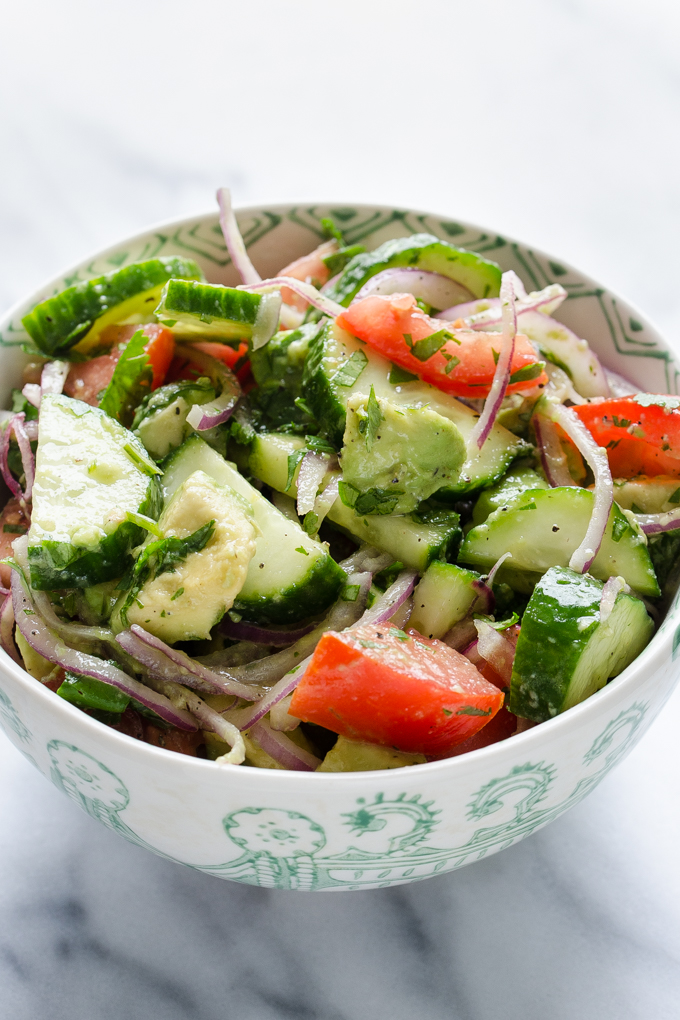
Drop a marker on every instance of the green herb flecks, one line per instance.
(527, 373)
(350, 370)
(424, 349)
(130, 382)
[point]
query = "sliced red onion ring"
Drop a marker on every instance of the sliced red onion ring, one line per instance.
(496, 649)
(325, 500)
(7, 629)
(487, 311)
(233, 240)
(553, 457)
(313, 467)
(168, 663)
(282, 749)
(246, 717)
(206, 416)
(435, 289)
(611, 589)
(596, 456)
(305, 290)
(486, 600)
(53, 376)
(27, 458)
(367, 558)
(32, 429)
(460, 635)
(33, 393)
(501, 376)
(387, 604)
(244, 631)
(656, 524)
(51, 647)
(212, 721)
(491, 576)
(280, 718)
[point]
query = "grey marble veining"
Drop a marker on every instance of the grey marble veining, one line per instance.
(554, 120)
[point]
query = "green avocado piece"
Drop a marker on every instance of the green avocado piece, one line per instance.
(420, 251)
(405, 452)
(358, 756)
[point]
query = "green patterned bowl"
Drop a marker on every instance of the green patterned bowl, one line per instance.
(359, 830)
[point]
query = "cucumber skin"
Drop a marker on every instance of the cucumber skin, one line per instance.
(58, 323)
(278, 373)
(321, 588)
(208, 301)
(422, 251)
(324, 403)
(542, 668)
(57, 565)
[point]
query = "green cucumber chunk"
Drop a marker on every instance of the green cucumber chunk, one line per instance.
(79, 314)
(358, 756)
(160, 422)
(444, 596)
(182, 584)
(416, 539)
(543, 527)
(404, 454)
(278, 368)
(564, 652)
(291, 576)
(209, 311)
(517, 481)
(339, 366)
(91, 473)
(420, 251)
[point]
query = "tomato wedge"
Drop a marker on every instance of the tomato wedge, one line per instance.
(183, 368)
(641, 433)
(85, 381)
(310, 269)
(377, 683)
(463, 366)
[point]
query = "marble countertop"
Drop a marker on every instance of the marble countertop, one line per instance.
(551, 120)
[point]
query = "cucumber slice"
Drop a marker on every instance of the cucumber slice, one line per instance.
(291, 575)
(161, 419)
(443, 597)
(91, 473)
(79, 314)
(338, 365)
(357, 756)
(647, 495)
(420, 251)
(417, 539)
(543, 527)
(183, 584)
(564, 652)
(517, 481)
(209, 311)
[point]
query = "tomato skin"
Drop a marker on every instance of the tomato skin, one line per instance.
(382, 321)
(85, 381)
(182, 367)
(309, 268)
(12, 516)
(405, 691)
(639, 439)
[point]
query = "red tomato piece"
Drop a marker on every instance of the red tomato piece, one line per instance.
(85, 381)
(377, 683)
(385, 322)
(12, 525)
(183, 368)
(310, 269)
(641, 434)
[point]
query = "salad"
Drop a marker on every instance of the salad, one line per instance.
(378, 510)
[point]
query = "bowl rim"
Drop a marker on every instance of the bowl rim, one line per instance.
(634, 676)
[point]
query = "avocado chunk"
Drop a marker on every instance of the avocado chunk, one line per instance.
(401, 455)
(357, 756)
(184, 596)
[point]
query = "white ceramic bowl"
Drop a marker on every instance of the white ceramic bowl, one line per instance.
(358, 830)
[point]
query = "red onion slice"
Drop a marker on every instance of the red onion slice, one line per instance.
(7, 629)
(168, 663)
(305, 290)
(367, 558)
(282, 749)
(596, 456)
(247, 717)
(244, 631)
(280, 718)
(460, 635)
(491, 576)
(435, 289)
(495, 649)
(657, 524)
(233, 240)
(501, 376)
(206, 416)
(553, 457)
(27, 458)
(53, 376)
(387, 604)
(212, 721)
(325, 500)
(49, 645)
(310, 476)
(487, 311)
(611, 589)
(33, 393)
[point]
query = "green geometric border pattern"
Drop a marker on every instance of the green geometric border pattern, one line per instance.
(285, 849)
(203, 240)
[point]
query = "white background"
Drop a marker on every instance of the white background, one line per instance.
(555, 121)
